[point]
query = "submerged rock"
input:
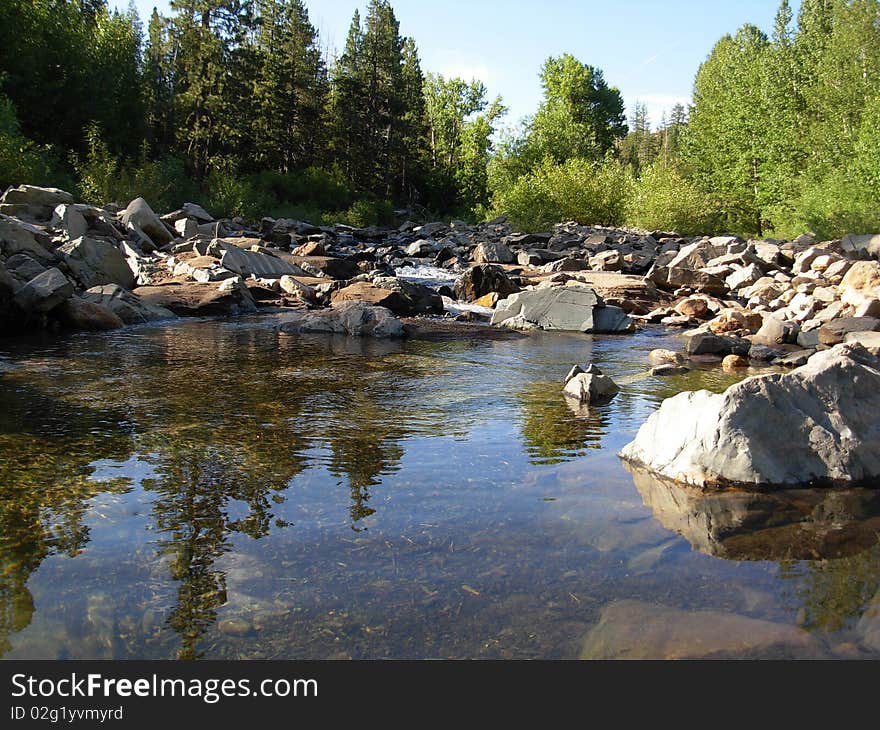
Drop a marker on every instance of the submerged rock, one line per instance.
(569, 308)
(81, 314)
(816, 425)
(787, 524)
(638, 630)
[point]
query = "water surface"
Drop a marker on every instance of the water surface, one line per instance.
(217, 489)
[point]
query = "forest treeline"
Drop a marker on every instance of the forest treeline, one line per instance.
(235, 104)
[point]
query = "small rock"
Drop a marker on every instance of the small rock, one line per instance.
(734, 362)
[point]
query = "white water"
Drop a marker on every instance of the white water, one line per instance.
(428, 275)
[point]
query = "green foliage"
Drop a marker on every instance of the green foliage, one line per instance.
(105, 178)
(665, 199)
(21, 160)
(362, 213)
(576, 190)
(459, 140)
(290, 89)
(234, 195)
(580, 117)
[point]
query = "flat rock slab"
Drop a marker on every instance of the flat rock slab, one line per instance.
(638, 630)
(192, 299)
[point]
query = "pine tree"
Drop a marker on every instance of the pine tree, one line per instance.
(115, 76)
(347, 105)
(377, 108)
(412, 153)
(159, 84)
(290, 89)
(209, 73)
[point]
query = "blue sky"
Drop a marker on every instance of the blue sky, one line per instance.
(649, 49)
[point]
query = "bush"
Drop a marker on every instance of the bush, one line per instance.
(21, 160)
(105, 178)
(364, 212)
(310, 188)
(578, 189)
(665, 199)
(230, 195)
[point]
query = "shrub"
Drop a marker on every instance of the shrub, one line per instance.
(231, 195)
(21, 160)
(663, 198)
(579, 189)
(105, 178)
(362, 213)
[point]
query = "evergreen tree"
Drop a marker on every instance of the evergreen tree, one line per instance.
(209, 104)
(290, 89)
(159, 84)
(377, 137)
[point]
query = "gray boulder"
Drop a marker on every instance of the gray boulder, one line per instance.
(68, 218)
(816, 425)
(140, 215)
(34, 195)
(489, 252)
(129, 307)
(94, 262)
(835, 332)
(19, 237)
(44, 292)
(569, 308)
(23, 267)
(251, 263)
(355, 319)
(9, 313)
(590, 385)
(706, 343)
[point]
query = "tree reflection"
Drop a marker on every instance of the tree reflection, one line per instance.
(552, 433)
(45, 485)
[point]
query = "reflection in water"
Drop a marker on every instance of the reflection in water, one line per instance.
(44, 486)
(190, 490)
(551, 431)
(793, 524)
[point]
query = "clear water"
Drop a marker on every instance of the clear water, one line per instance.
(218, 489)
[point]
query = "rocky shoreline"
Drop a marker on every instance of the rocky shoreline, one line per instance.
(65, 265)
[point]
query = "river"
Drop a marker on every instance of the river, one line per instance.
(217, 489)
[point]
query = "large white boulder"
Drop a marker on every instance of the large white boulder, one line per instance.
(817, 425)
